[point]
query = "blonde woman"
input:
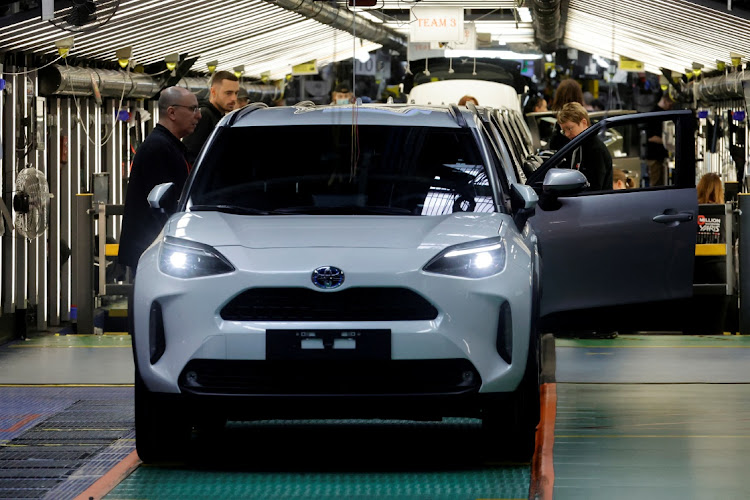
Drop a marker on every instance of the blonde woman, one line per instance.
(710, 189)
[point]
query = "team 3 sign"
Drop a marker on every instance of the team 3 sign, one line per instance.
(436, 24)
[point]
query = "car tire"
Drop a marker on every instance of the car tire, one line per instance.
(510, 424)
(161, 430)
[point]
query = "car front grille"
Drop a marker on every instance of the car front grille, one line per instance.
(352, 304)
(330, 377)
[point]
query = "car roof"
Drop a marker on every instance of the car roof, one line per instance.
(307, 113)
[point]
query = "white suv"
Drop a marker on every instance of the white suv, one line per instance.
(343, 262)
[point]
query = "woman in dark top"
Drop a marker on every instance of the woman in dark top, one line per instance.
(568, 91)
(592, 158)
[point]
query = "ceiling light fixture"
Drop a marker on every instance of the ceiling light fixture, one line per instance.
(123, 56)
(63, 46)
(172, 60)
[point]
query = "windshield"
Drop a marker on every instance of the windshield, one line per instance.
(338, 169)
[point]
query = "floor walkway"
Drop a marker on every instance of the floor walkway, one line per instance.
(645, 417)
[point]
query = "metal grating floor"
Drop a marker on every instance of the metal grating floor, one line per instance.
(67, 438)
(340, 459)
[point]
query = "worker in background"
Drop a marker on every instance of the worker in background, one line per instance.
(620, 179)
(656, 153)
(710, 189)
(224, 87)
(160, 158)
(568, 91)
(535, 103)
(242, 98)
(592, 157)
(342, 95)
(468, 98)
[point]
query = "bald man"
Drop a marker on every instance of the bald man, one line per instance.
(160, 158)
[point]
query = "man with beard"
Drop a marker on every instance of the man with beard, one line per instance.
(225, 87)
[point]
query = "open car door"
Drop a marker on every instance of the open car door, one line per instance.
(608, 248)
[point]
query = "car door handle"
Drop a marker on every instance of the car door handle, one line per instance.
(668, 218)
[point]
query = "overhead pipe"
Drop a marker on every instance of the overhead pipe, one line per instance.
(77, 81)
(718, 88)
(546, 18)
(73, 80)
(344, 19)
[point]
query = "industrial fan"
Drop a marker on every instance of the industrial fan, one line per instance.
(31, 203)
(85, 15)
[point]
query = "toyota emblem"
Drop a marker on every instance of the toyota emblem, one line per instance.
(328, 277)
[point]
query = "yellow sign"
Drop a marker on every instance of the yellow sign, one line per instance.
(308, 68)
(627, 64)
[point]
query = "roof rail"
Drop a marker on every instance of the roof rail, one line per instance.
(246, 110)
(306, 104)
(458, 116)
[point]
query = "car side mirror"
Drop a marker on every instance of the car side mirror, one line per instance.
(564, 182)
(523, 201)
(163, 197)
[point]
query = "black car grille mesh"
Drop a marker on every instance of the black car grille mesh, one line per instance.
(416, 376)
(352, 304)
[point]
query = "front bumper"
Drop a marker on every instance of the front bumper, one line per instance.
(464, 332)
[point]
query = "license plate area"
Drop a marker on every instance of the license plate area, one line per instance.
(328, 344)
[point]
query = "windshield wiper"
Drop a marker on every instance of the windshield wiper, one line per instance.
(344, 210)
(229, 209)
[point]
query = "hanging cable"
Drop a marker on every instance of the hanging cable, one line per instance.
(104, 140)
(34, 69)
(610, 89)
(354, 156)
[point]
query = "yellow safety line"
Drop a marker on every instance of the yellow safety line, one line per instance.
(710, 249)
(77, 335)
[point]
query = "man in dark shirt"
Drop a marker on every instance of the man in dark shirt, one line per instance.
(656, 153)
(592, 157)
(224, 87)
(159, 159)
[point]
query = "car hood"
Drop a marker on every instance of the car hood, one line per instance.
(293, 231)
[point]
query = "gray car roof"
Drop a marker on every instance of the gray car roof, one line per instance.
(408, 115)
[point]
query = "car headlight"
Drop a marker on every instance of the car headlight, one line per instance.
(188, 259)
(478, 259)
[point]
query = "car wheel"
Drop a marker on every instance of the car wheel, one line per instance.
(510, 425)
(161, 430)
